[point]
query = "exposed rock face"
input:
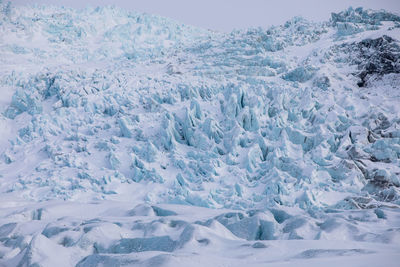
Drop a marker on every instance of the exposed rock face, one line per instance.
(377, 57)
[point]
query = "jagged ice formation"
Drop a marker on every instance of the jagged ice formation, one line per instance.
(290, 132)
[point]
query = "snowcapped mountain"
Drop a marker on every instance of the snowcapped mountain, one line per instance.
(132, 140)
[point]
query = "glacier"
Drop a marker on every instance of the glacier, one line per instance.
(130, 139)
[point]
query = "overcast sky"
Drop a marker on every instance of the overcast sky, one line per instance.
(225, 15)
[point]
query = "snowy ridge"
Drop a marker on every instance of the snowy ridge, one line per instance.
(290, 132)
(41, 33)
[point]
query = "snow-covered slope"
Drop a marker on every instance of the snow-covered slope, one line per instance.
(130, 139)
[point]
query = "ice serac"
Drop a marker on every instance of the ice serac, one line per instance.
(289, 132)
(216, 123)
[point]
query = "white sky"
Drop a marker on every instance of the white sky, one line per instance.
(225, 15)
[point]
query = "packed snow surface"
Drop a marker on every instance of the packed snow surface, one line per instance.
(133, 140)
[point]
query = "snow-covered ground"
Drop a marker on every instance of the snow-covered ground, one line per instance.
(132, 140)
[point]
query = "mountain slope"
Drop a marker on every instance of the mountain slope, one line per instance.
(110, 118)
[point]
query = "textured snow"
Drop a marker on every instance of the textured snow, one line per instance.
(131, 139)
